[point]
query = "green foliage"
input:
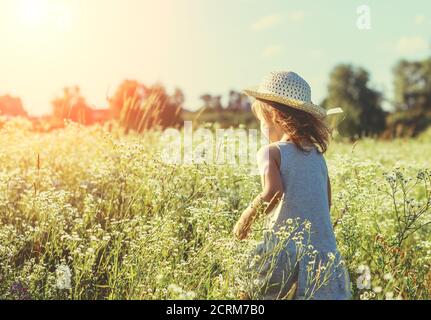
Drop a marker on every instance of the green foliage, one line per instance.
(412, 83)
(348, 88)
(87, 214)
(425, 136)
(407, 123)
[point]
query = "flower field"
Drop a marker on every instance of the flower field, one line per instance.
(91, 214)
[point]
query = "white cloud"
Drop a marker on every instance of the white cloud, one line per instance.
(420, 19)
(272, 51)
(266, 22)
(411, 45)
(296, 15)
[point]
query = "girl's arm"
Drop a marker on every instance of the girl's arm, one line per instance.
(329, 194)
(269, 166)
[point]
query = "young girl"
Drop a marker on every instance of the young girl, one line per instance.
(295, 178)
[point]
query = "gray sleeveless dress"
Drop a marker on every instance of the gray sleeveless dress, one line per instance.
(298, 256)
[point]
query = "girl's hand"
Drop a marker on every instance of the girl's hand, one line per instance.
(243, 226)
(241, 231)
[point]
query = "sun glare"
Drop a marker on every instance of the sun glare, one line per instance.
(33, 11)
(49, 13)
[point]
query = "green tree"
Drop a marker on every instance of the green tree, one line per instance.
(412, 99)
(238, 101)
(212, 102)
(349, 89)
(412, 84)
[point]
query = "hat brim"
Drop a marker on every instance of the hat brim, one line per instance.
(312, 108)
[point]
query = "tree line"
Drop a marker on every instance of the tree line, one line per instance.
(349, 87)
(139, 107)
(410, 111)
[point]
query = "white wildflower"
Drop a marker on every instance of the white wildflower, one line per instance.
(388, 277)
(364, 280)
(64, 277)
(378, 289)
(365, 296)
(389, 296)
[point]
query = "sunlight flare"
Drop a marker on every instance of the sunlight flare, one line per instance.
(33, 12)
(55, 15)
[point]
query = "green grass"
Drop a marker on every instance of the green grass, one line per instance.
(129, 226)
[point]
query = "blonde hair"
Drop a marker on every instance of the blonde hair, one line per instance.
(302, 127)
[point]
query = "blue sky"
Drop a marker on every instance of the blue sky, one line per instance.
(201, 46)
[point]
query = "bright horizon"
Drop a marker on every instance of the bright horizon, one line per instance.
(201, 47)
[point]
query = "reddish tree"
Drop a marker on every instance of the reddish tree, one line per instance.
(140, 108)
(11, 106)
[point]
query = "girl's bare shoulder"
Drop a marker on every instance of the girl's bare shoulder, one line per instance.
(269, 153)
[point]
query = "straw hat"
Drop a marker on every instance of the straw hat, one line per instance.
(288, 88)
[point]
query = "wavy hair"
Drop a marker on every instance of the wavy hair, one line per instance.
(302, 127)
